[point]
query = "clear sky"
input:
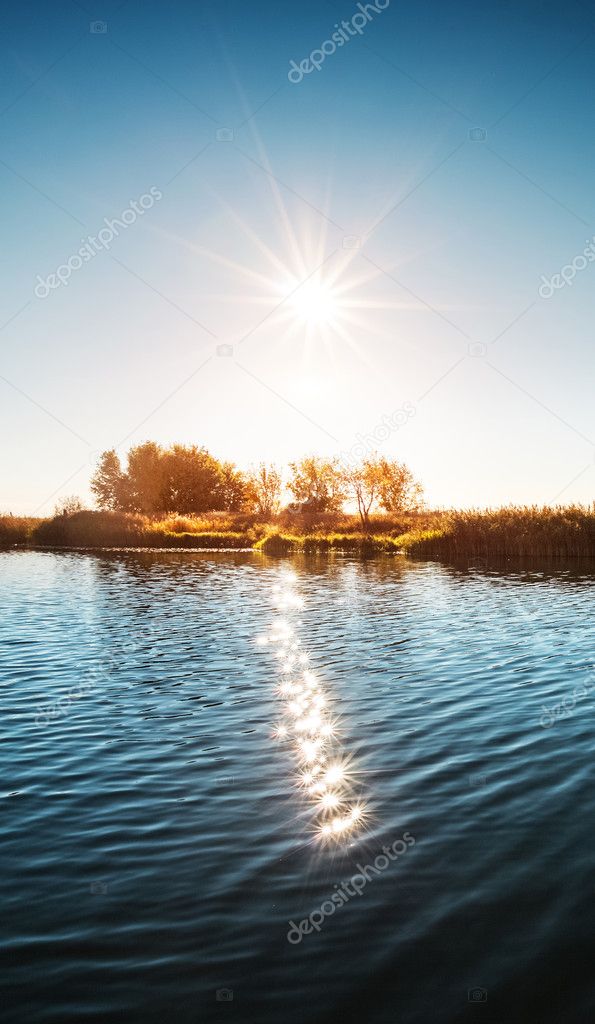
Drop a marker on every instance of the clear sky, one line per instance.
(355, 246)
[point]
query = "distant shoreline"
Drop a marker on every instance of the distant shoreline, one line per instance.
(562, 532)
(368, 551)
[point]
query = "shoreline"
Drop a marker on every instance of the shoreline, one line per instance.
(566, 532)
(364, 551)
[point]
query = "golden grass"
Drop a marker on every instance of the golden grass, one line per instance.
(530, 532)
(16, 529)
(276, 543)
(122, 529)
(511, 532)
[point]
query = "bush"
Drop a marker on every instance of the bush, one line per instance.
(16, 529)
(278, 544)
(121, 529)
(92, 529)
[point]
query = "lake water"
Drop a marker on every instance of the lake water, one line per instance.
(159, 832)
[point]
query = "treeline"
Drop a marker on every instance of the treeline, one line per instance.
(187, 480)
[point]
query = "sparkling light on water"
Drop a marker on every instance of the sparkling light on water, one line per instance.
(324, 775)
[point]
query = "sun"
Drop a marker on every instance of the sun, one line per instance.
(315, 303)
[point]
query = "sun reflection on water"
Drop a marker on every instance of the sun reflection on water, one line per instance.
(324, 775)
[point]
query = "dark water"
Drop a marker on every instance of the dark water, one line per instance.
(155, 843)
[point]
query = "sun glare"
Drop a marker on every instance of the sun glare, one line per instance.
(315, 303)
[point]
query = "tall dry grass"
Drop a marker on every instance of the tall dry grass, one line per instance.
(511, 532)
(123, 529)
(16, 529)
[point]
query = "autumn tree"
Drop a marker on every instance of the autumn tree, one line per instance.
(384, 482)
(233, 488)
(399, 490)
(319, 483)
(143, 489)
(196, 482)
(108, 482)
(68, 506)
(363, 485)
(265, 486)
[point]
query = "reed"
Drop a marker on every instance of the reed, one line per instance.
(276, 543)
(512, 532)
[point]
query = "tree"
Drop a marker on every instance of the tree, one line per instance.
(399, 491)
(382, 481)
(265, 486)
(233, 488)
(68, 506)
(319, 483)
(183, 479)
(145, 479)
(194, 481)
(363, 481)
(108, 482)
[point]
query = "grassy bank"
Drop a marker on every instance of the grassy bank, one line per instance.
(509, 532)
(275, 543)
(532, 532)
(219, 530)
(125, 530)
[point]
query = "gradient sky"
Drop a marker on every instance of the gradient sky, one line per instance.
(438, 306)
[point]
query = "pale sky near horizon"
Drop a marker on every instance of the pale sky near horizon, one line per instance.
(354, 246)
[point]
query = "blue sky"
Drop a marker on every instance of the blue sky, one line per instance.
(352, 246)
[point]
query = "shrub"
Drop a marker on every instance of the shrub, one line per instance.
(16, 529)
(278, 544)
(92, 529)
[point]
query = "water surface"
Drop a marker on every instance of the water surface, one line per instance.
(156, 835)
